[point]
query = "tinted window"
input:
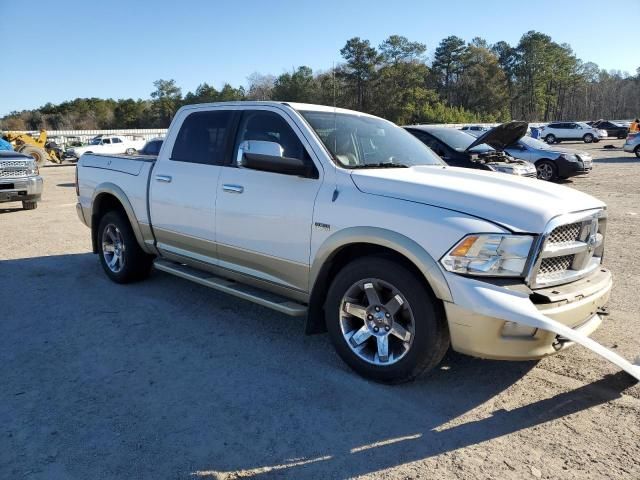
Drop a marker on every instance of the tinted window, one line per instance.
(116, 140)
(106, 141)
(153, 148)
(271, 127)
(202, 138)
(555, 125)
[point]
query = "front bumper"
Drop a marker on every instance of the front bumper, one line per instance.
(21, 189)
(570, 169)
(479, 331)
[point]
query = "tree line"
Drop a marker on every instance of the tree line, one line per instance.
(535, 80)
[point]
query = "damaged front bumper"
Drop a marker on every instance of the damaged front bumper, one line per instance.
(482, 316)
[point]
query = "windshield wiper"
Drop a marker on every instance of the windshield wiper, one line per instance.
(381, 165)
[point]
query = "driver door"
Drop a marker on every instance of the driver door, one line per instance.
(264, 219)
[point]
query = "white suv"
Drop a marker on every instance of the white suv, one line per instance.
(557, 131)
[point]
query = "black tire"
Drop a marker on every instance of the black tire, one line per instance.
(430, 338)
(588, 138)
(136, 264)
(38, 154)
(547, 170)
(130, 151)
(29, 205)
(637, 151)
(550, 139)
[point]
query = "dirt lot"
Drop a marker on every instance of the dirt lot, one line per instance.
(166, 379)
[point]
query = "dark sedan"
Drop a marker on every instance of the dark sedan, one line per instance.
(613, 129)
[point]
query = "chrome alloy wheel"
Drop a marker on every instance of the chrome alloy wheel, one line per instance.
(377, 322)
(545, 171)
(113, 248)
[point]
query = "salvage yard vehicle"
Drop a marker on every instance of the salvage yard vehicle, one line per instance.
(349, 220)
(552, 163)
(460, 149)
(558, 131)
(613, 129)
(38, 148)
(632, 144)
(107, 144)
(20, 180)
(152, 147)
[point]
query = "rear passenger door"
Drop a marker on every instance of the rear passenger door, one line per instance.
(264, 219)
(184, 184)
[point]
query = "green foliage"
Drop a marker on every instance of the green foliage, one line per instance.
(537, 80)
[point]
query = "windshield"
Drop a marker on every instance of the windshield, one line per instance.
(533, 143)
(364, 142)
(95, 141)
(458, 140)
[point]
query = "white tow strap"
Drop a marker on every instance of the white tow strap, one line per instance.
(509, 305)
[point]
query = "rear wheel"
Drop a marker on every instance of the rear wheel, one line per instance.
(546, 170)
(550, 138)
(384, 322)
(38, 154)
(588, 138)
(120, 255)
(130, 151)
(29, 205)
(637, 151)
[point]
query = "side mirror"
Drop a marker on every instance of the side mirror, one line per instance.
(268, 157)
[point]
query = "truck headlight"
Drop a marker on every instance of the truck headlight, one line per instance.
(490, 255)
(32, 168)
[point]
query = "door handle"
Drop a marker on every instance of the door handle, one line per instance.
(232, 188)
(163, 178)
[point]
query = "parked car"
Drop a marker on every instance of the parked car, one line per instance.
(152, 147)
(20, 180)
(459, 149)
(349, 220)
(552, 163)
(557, 131)
(613, 129)
(107, 144)
(632, 144)
(475, 130)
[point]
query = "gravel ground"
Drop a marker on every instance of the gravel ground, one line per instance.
(167, 379)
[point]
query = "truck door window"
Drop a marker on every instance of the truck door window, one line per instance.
(106, 141)
(202, 138)
(116, 140)
(271, 127)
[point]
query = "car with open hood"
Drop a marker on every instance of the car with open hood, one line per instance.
(459, 149)
(552, 162)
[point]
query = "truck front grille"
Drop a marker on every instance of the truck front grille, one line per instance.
(569, 251)
(13, 169)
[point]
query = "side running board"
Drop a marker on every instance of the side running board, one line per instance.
(246, 292)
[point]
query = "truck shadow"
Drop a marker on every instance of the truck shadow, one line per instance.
(211, 386)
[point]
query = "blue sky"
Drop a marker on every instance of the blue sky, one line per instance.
(117, 49)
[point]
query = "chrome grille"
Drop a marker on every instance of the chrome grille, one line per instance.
(570, 250)
(13, 169)
(555, 264)
(565, 233)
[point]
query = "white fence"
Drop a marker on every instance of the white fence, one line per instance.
(63, 137)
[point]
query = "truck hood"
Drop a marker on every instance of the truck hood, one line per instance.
(519, 204)
(502, 136)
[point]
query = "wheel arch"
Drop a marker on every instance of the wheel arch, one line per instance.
(108, 197)
(351, 243)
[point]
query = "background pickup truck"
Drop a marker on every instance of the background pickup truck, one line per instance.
(112, 144)
(350, 220)
(19, 179)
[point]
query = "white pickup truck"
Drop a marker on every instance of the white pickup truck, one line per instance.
(351, 221)
(112, 144)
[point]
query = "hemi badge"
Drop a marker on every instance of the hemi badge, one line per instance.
(323, 226)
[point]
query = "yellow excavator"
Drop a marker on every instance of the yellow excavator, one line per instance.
(36, 147)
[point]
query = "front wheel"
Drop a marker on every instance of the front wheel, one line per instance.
(588, 138)
(130, 151)
(637, 151)
(384, 322)
(120, 255)
(29, 205)
(546, 171)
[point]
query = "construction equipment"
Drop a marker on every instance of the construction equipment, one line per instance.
(37, 148)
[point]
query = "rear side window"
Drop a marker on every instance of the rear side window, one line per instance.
(116, 140)
(202, 138)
